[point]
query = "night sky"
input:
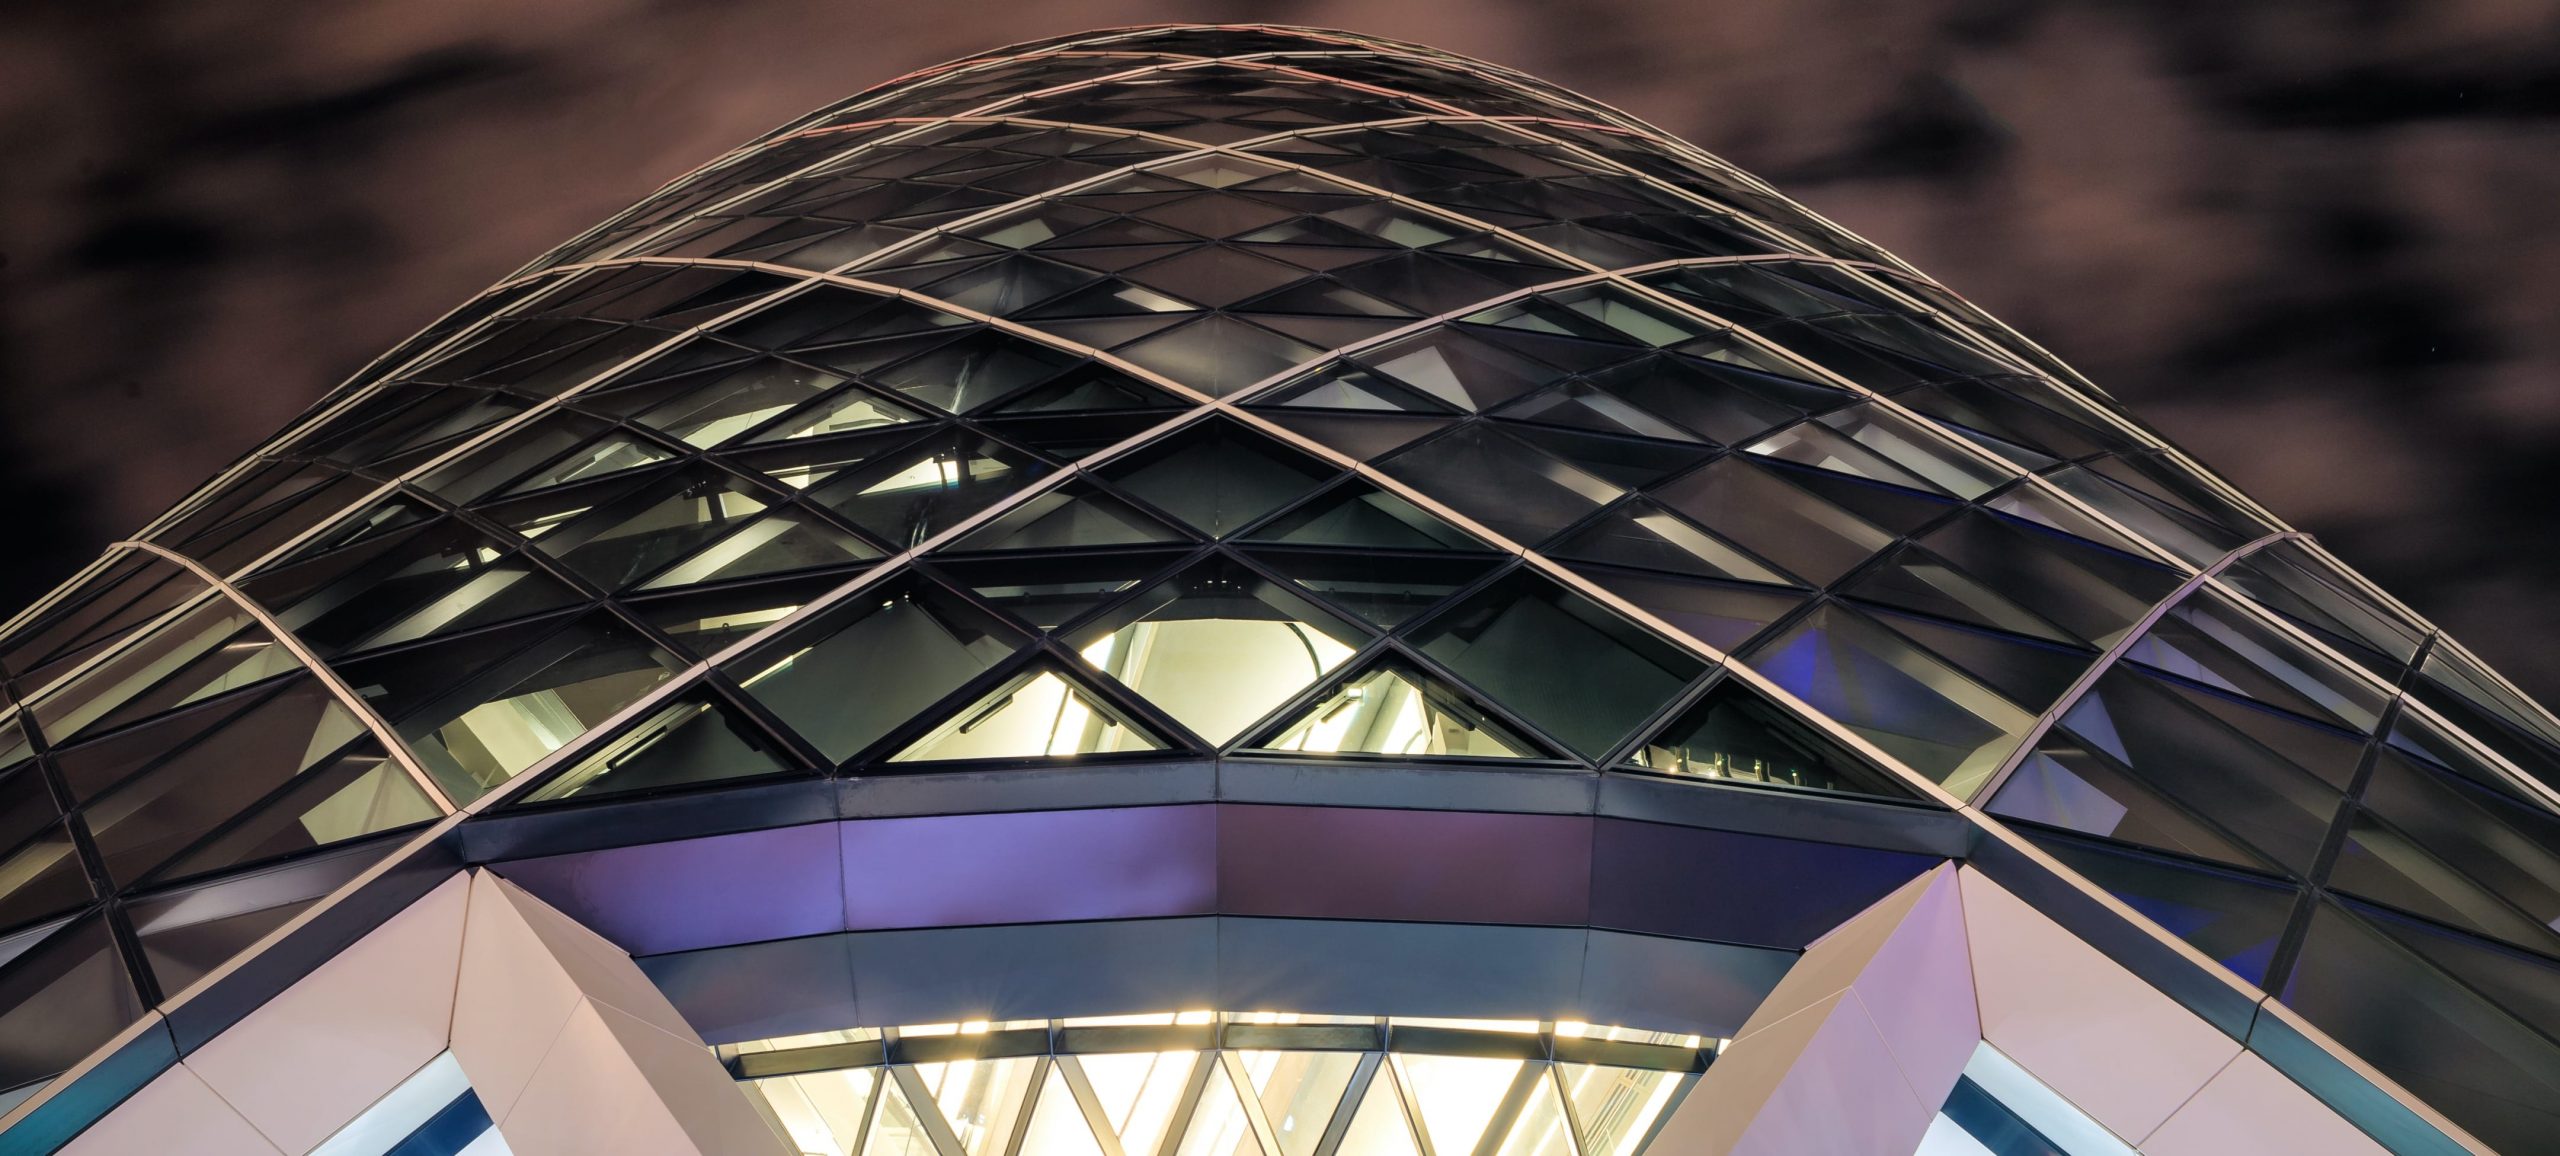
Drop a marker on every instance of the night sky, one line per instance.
(2313, 242)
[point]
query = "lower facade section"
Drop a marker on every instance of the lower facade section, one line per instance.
(1946, 1018)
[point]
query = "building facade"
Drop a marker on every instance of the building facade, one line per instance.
(1244, 591)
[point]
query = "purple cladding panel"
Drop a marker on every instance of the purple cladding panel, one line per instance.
(1735, 888)
(1442, 866)
(1030, 867)
(693, 893)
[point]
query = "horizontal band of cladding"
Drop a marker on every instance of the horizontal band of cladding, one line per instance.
(1215, 859)
(1048, 970)
(1879, 824)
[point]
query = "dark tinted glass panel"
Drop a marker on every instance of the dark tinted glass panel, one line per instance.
(1736, 734)
(1570, 666)
(845, 678)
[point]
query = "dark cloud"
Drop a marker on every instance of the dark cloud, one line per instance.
(2310, 241)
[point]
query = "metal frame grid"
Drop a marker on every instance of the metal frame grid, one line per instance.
(615, 249)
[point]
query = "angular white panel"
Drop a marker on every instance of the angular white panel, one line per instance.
(1919, 990)
(512, 1001)
(1820, 1081)
(2092, 1031)
(602, 971)
(1833, 962)
(175, 1112)
(303, 1065)
(586, 1096)
(706, 1101)
(2252, 1109)
(614, 1086)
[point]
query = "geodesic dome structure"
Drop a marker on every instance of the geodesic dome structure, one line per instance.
(1269, 570)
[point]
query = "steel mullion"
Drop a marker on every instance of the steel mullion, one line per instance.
(328, 676)
(2133, 635)
(1096, 1117)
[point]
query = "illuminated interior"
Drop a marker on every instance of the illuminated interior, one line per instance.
(1221, 1084)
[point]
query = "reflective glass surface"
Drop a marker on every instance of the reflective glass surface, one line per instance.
(1261, 394)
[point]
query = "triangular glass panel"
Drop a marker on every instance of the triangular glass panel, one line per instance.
(848, 677)
(975, 372)
(1909, 703)
(1456, 1096)
(737, 401)
(693, 740)
(896, 1129)
(1218, 1125)
(625, 541)
(2030, 672)
(1039, 713)
(1091, 389)
(847, 411)
(604, 457)
(2291, 579)
(479, 709)
(1359, 515)
(1394, 709)
(982, 1100)
(2379, 863)
(2275, 804)
(1630, 462)
(1723, 615)
(1049, 591)
(1561, 661)
(1644, 535)
(41, 878)
(1581, 405)
(442, 577)
(2207, 639)
(1112, 332)
(1138, 1092)
(91, 766)
(1218, 355)
(820, 1112)
(1349, 387)
(2235, 919)
(1725, 402)
(1074, 515)
(1744, 504)
(1384, 589)
(1218, 476)
(153, 817)
(1299, 1091)
(1510, 488)
(778, 542)
(1217, 647)
(1057, 1126)
(1736, 734)
(1379, 1127)
(1457, 370)
(905, 497)
(1361, 436)
(1217, 276)
(2063, 784)
(2509, 846)
(1616, 1107)
(1540, 1128)
(483, 470)
(357, 792)
(208, 651)
(1912, 578)
(1112, 297)
(2092, 592)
